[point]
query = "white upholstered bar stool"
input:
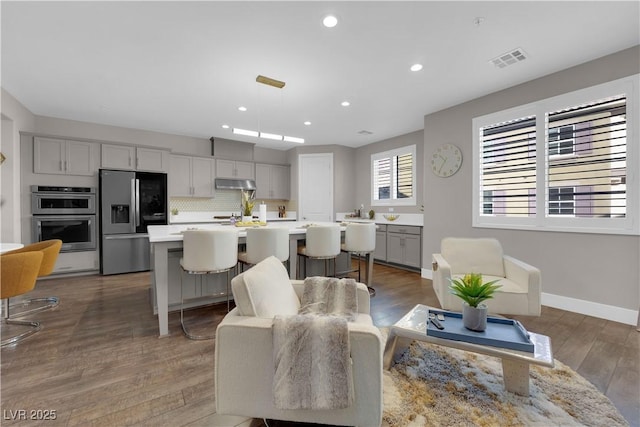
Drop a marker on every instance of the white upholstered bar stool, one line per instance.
(207, 252)
(359, 240)
(322, 242)
(263, 242)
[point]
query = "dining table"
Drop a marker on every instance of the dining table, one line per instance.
(167, 239)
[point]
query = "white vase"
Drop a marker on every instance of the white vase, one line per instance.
(247, 218)
(474, 318)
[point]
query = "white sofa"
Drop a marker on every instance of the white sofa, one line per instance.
(244, 366)
(521, 283)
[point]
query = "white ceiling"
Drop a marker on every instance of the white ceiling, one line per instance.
(185, 67)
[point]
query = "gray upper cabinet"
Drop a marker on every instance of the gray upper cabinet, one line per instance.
(234, 169)
(64, 157)
(272, 182)
(134, 158)
(191, 176)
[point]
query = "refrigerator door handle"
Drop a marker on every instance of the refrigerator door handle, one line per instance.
(134, 207)
(137, 205)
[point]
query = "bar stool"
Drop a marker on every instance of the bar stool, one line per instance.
(359, 240)
(207, 252)
(19, 273)
(50, 250)
(322, 242)
(264, 242)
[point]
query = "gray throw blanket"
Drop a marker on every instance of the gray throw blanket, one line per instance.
(330, 296)
(311, 350)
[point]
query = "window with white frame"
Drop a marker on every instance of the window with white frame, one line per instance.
(563, 164)
(393, 179)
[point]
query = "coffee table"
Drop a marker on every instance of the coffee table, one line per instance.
(515, 364)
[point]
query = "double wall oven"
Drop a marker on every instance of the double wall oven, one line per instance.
(65, 213)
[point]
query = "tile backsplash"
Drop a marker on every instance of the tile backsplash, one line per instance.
(224, 201)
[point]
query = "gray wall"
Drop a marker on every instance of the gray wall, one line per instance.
(15, 118)
(594, 267)
(344, 174)
(104, 133)
(363, 166)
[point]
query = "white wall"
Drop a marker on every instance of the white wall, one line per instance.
(584, 272)
(15, 118)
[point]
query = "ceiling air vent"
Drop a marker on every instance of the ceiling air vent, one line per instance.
(509, 58)
(365, 132)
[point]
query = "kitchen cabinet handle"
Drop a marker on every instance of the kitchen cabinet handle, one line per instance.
(65, 165)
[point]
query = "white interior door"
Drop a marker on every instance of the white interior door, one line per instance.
(315, 187)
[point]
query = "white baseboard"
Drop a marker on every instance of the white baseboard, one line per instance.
(588, 308)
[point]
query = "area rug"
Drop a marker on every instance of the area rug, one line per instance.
(436, 386)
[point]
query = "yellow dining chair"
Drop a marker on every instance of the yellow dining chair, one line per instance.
(18, 275)
(50, 250)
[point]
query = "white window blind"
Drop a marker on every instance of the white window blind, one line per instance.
(568, 163)
(393, 177)
(508, 167)
(594, 173)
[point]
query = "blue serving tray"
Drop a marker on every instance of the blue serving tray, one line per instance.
(500, 332)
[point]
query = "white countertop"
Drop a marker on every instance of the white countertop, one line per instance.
(208, 217)
(173, 232)
(403, 218)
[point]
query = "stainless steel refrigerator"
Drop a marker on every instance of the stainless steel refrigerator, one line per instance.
(129, 202)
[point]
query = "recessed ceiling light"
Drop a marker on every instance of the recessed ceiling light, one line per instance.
(307, 123)
(345, 103)
(225, 126)
(241, 108)
(330, 21)
(416, 67)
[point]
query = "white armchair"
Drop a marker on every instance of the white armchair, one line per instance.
(521, 283)
(244, 366)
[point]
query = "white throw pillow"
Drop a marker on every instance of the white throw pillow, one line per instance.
(265, 290)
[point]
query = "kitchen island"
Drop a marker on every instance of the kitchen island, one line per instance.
(166, 250)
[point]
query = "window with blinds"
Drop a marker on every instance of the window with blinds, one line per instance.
(562, 163)
(393, 177)
(587, 159)
(508, 165)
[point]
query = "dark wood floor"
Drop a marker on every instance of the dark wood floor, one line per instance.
(98, 360)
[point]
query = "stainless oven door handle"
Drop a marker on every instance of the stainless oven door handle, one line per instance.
(126, 236)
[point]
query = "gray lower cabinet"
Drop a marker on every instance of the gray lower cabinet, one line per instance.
(404, 245)
(212, 286)
(381, 243)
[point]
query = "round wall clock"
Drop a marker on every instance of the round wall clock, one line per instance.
(446, 160)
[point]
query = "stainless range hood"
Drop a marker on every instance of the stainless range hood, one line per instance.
(235, 184)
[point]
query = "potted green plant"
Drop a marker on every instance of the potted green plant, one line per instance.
(473, 292)
(247, 206)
